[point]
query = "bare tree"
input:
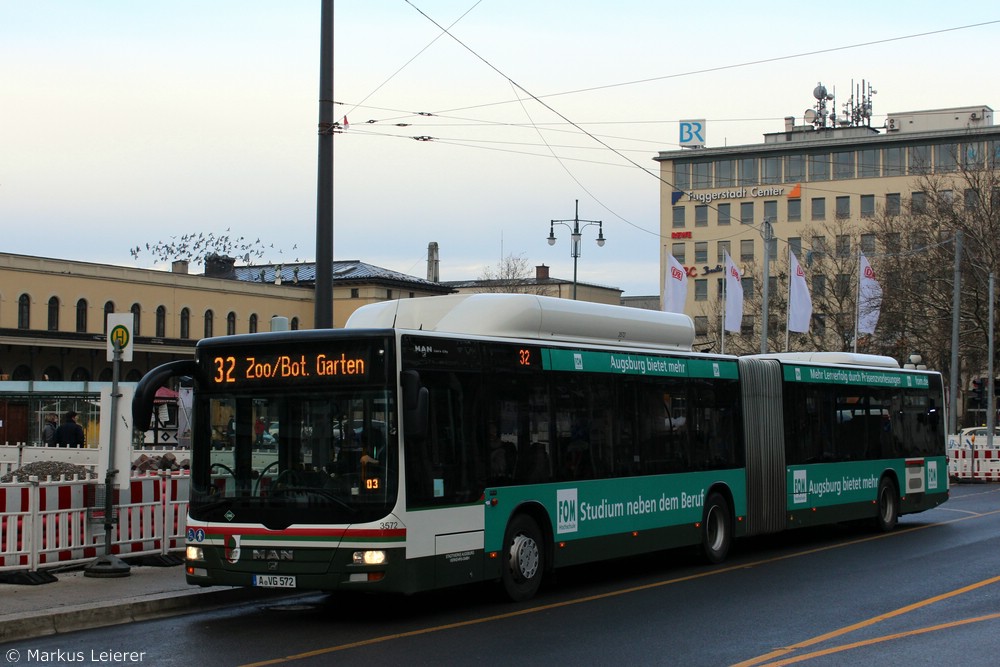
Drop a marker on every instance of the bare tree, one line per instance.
(829, 258)
(917, 253)
(512, 275)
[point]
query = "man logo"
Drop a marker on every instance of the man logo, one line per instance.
(233, 549)
(566, 507)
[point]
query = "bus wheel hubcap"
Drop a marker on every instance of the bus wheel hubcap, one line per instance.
(716, 529)
(524, 557)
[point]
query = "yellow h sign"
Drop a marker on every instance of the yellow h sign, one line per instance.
(120, 335)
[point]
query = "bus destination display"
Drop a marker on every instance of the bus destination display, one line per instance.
(248, 367)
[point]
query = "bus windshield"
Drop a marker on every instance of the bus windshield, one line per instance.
(300, 457)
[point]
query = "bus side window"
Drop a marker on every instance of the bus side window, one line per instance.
(447, 465)
(535, 466)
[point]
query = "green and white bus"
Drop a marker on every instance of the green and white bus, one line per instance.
(445, 440)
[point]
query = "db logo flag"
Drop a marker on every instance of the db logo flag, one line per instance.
(675, 286)
(869, 298)
(799, 302)
(734, 296)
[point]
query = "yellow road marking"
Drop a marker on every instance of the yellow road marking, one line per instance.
(626, 591)
(879, 640)
(777, 653)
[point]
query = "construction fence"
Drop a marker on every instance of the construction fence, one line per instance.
(972, 457)
(47, 523)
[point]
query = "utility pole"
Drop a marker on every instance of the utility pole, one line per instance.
(956, 295)
(991, 404)
(323, 310)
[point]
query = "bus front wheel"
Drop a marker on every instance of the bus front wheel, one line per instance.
(716, 529)
(887, 502)
(523, 558)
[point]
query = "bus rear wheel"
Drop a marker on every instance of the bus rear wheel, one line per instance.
(523, 559)
(716, 529)
(887, 502)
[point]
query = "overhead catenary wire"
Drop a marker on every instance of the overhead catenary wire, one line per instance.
(748, 63)
(603, 145)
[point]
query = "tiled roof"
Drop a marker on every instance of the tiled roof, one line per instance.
(525, 282)
(343, 271)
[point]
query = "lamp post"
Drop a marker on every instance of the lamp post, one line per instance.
(576, 237)
(765, 231)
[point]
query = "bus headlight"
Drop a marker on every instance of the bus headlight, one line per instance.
(375, 557)
(194, 553)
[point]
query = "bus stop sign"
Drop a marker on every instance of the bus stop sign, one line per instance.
(120, 334)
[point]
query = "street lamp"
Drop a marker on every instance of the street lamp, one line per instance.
(576, 237)
(765, 232)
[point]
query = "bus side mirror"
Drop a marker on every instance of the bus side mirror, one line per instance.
(416, 399)
(145, 391)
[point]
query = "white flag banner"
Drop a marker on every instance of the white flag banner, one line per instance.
(800, 306)
(675, 287)
(734, 297)
(869, 298)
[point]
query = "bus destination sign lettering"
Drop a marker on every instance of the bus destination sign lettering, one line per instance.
(241, 369)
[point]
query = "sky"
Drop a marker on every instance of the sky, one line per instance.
(472, 124)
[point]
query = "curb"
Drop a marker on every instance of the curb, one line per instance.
(129, 610)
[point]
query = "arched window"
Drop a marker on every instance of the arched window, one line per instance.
(230, 323)
(81, 375)
(209, 322)
(54, 314)
(81, 316)
(136, 313)
(21, 373)
(133, 375)
(24, 312)
(253, 323)
(109, 309)
(295, 324)
(52, 373)
(161, 321)
(106, 375)
(185, 323)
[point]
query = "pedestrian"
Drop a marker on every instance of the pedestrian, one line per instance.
(259, 427)
(69, 433)
(49, 429)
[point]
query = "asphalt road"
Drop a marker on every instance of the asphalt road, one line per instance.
(928, 593)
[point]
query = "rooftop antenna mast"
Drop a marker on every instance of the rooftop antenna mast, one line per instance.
(859, 108)
(818, 115)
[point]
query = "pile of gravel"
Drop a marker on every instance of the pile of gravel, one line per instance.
(167, 461)
(45, 469)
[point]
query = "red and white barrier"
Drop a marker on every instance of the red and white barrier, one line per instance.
(55, 522)
(972, 459)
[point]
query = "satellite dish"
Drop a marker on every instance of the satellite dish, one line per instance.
(810, 116)
(819, 92)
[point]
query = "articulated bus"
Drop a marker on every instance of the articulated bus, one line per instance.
(494, 437)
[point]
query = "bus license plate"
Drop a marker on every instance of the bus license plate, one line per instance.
(273, 581)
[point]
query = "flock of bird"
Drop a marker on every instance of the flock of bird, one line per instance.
(196, 246)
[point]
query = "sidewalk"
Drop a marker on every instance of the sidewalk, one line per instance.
(78, 602)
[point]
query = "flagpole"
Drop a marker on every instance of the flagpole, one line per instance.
(722, 320)
(788, 307)
(857, 305)
(666, 264)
